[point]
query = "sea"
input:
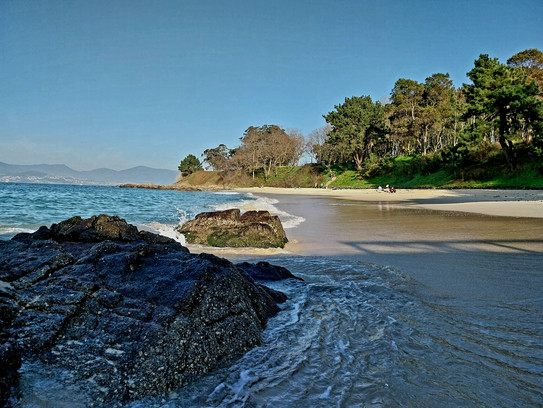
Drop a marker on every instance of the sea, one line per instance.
(353, 334)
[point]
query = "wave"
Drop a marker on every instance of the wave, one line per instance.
(226, 193)
(9, 231)
(359, 334)
(166, 230)
(250, 203)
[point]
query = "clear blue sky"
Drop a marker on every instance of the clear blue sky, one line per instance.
(111, 83)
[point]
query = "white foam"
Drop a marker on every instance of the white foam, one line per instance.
(226, 193)
(164, 230)
(246, 203)
(326, 394)
(11, 230)
(261, 204)
(183, 216)
(245, 378)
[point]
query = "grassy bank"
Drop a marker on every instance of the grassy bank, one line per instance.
(400, 172)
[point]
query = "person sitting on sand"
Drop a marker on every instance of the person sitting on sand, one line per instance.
(380, 189)
(392, 190)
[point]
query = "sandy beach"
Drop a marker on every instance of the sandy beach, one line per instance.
(452, 241)
(508, 203)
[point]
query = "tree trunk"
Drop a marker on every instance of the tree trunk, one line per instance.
(507, 145)
(425, 141)
(329, 166)
(358, 161)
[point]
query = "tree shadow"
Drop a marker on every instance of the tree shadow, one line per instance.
(471, 196)
(534, 246)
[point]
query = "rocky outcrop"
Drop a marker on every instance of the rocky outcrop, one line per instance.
(230, 228)
(178, 187)
(10, 355)
(264, 271)
(122, 313)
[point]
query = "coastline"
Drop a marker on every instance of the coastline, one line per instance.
(505, 203)
(470, 243)
(497, 202)
(453, 241)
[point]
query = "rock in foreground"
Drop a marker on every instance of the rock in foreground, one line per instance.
(121, 313)
(230, 228)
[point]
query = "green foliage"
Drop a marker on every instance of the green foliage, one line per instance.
(357, 125)
(189, 165)
(500, 99)
(267, 147)
(531, 62)
(217, 158)
(481, 168)
(489, 133)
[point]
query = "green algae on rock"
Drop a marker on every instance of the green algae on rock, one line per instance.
(230, 228)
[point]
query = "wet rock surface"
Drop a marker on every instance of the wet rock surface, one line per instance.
(264, 271)
(10, 355)
(230, 228)
(123, 314)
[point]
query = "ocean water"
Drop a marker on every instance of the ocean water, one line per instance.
(26, 207)
(361, 335)
(354, 334)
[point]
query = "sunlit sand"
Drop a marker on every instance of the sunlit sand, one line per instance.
(509, 203)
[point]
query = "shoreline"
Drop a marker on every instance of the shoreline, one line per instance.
(495, 202)
(505, 203)
(450, 252)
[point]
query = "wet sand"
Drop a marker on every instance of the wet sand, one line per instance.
(509, 203)
(452, 253)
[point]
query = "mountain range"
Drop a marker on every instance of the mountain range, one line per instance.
(62, 174)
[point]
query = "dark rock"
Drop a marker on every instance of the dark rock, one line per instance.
(265, 271)
(129, 316)
(10, 355)
(230, 228)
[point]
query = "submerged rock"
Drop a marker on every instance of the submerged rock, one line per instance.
(126, 313)
(230, 228)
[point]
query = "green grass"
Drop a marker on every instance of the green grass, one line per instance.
(351, 179)
(400, 172)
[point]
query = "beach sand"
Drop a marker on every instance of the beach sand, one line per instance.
(509, 203)
(474, 243)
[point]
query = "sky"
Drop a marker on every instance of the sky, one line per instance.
(122, 83)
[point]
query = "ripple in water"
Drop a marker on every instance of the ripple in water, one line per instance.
(360, 335)
(354, 335)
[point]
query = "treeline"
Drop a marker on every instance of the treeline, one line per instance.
(500, 110)
(263, 148)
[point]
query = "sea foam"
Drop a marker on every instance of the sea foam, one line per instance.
(250, 203)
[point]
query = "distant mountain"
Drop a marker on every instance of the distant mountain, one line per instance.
(62, 174)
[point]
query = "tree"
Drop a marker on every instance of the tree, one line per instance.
(406, 100)
(294, 148)
(500, 96)
(217, 158)
(324, 152)
(189, 165)
(317, 146)
(531, 62)
(251, 154)
(357, 125)
(267, 147)
(437, 112)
